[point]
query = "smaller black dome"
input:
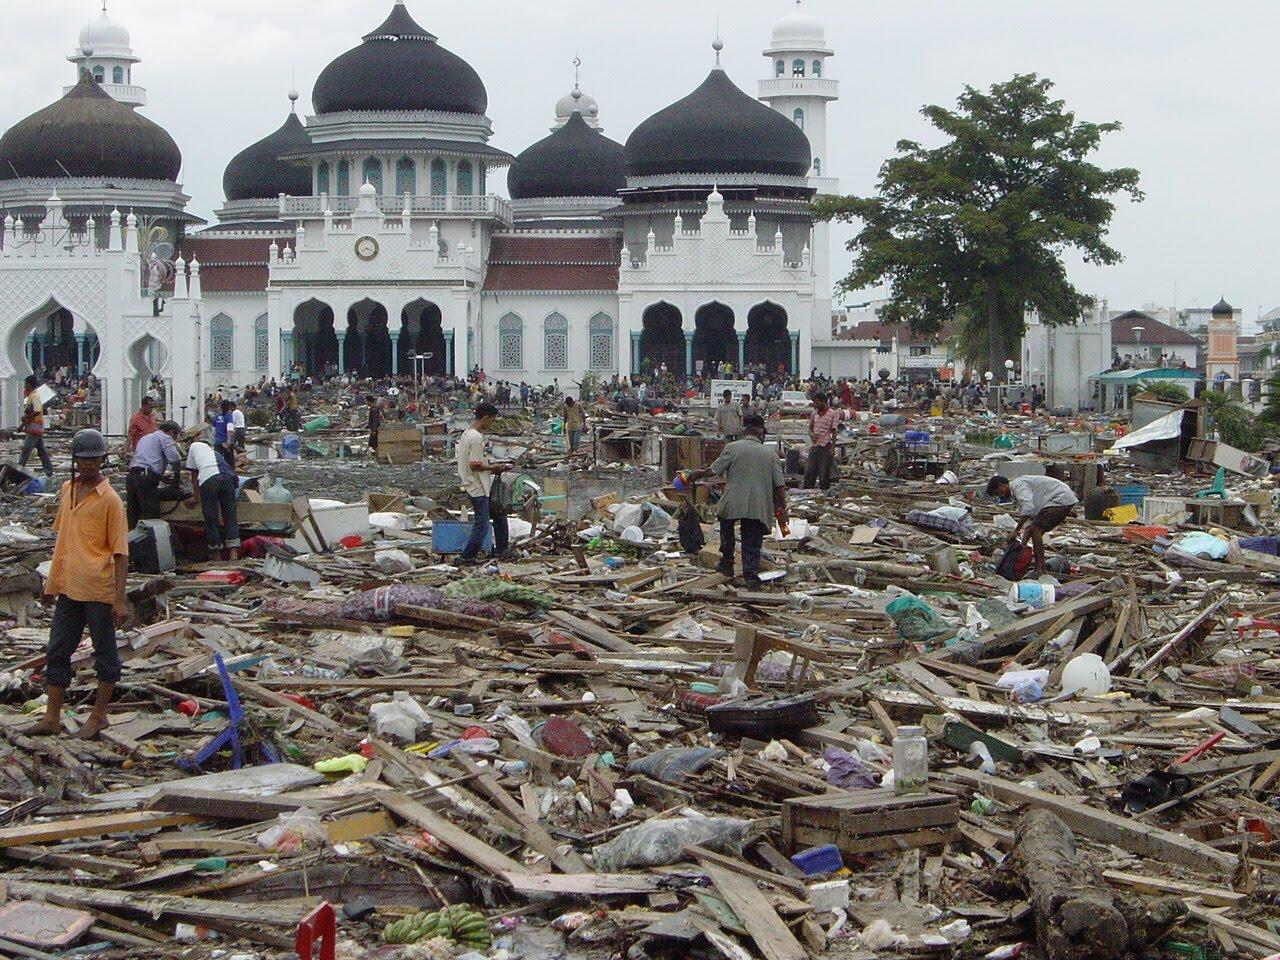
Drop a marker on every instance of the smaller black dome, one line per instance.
(399, 67)
(718, 129)
(1223, 309)
(88, 134)
(258, 173)
(575, 161)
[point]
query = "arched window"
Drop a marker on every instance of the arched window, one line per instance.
(372, 173)
(464, 178)
(817, 167)
(781, 68)
(222, 342)
(817, 68)
(406, 177)
(798, 116)
(797, 68)
(261, 344)
(601, 354)
(555, 342)
(511, 342)
(117, 74)
(439, 178)
(99, 74)
(322, 178)
(344, 178)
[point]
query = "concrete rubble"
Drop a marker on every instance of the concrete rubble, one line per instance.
(604, 748)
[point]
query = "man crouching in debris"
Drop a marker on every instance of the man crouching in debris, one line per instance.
(754, 493)
(87, 578)
(1043, 503)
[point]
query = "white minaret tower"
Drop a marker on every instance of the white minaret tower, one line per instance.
(105, 52)
(800, 87)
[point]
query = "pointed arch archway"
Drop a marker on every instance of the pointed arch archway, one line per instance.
(662, 339)
(768, 340)
(315, 341)
(714, 339)
(422, 333)
(368, 339)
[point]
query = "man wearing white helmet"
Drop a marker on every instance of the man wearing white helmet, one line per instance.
(86, 583)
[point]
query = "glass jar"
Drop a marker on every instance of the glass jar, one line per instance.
(910, 760)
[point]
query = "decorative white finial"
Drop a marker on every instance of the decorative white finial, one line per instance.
(293, 90)
(577, 73)
(717, 45)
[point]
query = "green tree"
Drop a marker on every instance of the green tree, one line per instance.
(974, 231)
(1271, 399)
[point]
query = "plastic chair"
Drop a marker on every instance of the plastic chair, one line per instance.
(319, 925)
(230, 734)
(1219, 488)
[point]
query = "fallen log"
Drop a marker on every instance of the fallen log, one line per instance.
(1077, 915)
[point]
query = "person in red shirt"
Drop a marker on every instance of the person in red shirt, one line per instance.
(822, 442)
(142, 422)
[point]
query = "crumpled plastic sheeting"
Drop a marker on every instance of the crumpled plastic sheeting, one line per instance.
(847, 771)
(673, 764)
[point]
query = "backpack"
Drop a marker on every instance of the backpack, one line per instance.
(1015, 563)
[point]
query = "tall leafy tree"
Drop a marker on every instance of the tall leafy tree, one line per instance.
(974, 231)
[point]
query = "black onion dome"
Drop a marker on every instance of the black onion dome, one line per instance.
(1223, 309)
(88, 134)
(258, 173)
(575, 161)
(400, 66)
(718, 129)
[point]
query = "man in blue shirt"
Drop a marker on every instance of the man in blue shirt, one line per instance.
(154, 455)
(222, 427)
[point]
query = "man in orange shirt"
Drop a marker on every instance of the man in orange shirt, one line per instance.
(87, 578)
(142, 422)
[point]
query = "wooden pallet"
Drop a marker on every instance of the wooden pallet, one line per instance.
(869, 821)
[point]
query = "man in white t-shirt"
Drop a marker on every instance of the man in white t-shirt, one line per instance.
(477, 474)
(237, 427)
(1043, 504)
(217, 489)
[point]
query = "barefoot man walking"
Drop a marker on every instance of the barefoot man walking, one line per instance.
(86, 582)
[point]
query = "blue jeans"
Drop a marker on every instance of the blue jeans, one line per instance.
(575, 438)
(480, 527)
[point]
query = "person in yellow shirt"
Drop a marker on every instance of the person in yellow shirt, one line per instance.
(86, 584)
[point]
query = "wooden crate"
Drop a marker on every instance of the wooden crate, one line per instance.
(399, 443)
(869, 821)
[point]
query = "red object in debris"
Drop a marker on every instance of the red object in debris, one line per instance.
(475, 733)
(565, 738)
(231, 578)
(300, 701)
(188, 708)
(1196, 751)
(352, 541)
(366, 749)
(318, 928)
(873, 429)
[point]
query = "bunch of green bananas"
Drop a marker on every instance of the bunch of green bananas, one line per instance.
(458, 923)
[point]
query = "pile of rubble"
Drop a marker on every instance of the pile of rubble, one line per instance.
(604, 748)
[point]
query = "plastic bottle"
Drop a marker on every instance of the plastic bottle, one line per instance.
(910, 760)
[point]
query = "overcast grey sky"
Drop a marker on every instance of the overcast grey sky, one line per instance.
(1193, 84)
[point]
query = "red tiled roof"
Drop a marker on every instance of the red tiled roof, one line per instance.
(885, 333)
(553, 263)
(229, 264)
(1153, 331)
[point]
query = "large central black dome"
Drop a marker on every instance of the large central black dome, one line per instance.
(718, 129)
(258, 173)
(575, 161)
(88, 134)
(399, 67)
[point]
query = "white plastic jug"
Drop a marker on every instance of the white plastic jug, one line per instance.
(1086, 674)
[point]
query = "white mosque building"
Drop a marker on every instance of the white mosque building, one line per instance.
(366, 235)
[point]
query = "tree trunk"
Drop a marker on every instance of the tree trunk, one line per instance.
(995, 338)
(1077, 915)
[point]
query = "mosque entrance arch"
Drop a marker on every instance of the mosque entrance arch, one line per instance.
(315, 344)
(149, 359)
(768, 340)
(714, 339)
(422, 332)
(662, 340)
(368, 339)
(39, 343)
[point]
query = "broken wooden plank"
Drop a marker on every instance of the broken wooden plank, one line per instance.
(450, 834)
(1213, 896)
(756, 913)
(1138, 838)
(224, 804)
(101, 825)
